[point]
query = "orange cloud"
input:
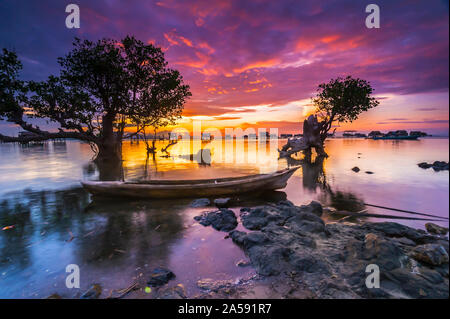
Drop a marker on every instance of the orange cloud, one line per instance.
(330, 38)
(257, 65)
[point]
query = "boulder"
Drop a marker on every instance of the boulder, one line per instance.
(432, 254)
(313, 208)
(223, 219)
(436, 229)
(160, 276)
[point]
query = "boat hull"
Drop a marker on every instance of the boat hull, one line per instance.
(197, 188)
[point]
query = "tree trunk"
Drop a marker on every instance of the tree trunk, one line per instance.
(311, 139)
(109, 145)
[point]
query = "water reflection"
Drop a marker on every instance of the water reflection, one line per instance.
(115, 241)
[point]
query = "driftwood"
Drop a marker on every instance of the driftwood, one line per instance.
(311, 139)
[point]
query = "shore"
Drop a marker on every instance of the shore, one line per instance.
(297, 255)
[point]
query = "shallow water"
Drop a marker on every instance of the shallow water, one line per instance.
(116, 242)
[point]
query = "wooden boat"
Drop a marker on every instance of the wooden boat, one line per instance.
(191, 188)
(395, 137)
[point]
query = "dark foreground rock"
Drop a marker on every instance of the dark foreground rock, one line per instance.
(160, 276)
(293, 247)
(222, 219)
(437, 165)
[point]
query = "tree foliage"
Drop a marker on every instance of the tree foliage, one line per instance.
(103, 87)
(342, 100)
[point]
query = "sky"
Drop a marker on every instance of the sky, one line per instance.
(258, 63)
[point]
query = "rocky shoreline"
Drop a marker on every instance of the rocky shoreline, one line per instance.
(297, 255)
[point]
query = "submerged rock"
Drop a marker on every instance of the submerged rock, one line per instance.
(222, 202)
(93, 292)
(200, 202)
(223, 219)
(437, 165)
(160, 276)
(436, 229)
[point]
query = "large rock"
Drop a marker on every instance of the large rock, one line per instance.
(160, 276)
(436, 229)
(313, 208)
(395, 230)
(292, 245)
(223, 219)
(432, 254)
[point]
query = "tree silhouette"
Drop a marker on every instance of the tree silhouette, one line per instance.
(342, 100)
(103, 88)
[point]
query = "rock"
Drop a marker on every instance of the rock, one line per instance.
(309, 264)
(93, 292)
(436, 229)
(313, 208)
(306, 222)
(369, 172)
(160, 276)
(223, 219)
(214, 285)
(432, 254)
(424, 165)
(329, 210)
(437, 166)
(243, 263)
(200, 202)
(222, 202)
(269, 260)
(395, 230)
(177, 292)
(238, 237)
(356, 169)
(292, 246)
(440, 166)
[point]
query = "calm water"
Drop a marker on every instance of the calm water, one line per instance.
(117, 242)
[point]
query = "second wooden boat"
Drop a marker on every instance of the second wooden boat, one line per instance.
(192, 188)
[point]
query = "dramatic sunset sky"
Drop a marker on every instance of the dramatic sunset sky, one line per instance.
(257, 63)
